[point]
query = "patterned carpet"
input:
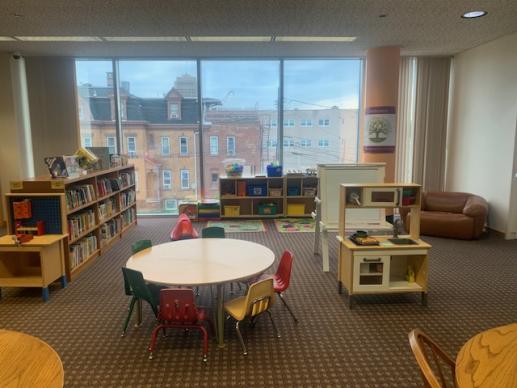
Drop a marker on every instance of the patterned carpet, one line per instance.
(472, 288)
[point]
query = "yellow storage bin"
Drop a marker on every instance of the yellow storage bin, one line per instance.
(232, 211)
(295, 209)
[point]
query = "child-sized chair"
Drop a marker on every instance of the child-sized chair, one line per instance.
(178, 310)
(183, 230)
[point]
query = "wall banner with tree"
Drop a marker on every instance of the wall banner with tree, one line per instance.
(380, 129)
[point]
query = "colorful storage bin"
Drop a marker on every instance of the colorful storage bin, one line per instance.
(274, 171)
(232, 211)
(275, 192)
(293, 190)
(257, 189)
(295, 209)
(267, 209)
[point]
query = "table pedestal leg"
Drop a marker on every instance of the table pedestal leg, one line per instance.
(220, 315)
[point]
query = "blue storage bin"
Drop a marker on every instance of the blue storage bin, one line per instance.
(295, 190)
(256, 190)
(274, 171)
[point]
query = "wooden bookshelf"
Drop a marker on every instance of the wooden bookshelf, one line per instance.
(283, 192)
(122, 215)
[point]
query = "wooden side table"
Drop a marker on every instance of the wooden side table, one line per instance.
(489, 359)
(36, 263)
(27, 361)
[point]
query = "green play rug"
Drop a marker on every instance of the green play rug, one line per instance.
(239, 226)
(294, 225)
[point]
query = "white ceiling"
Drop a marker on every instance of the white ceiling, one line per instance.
(428, 27)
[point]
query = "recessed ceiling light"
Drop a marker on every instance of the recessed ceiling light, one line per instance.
(230, 38)
(473, 14)
(145, 38)
(59, 38)
(315, 38)
(6, 38)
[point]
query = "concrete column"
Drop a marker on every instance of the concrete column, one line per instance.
(380, 102)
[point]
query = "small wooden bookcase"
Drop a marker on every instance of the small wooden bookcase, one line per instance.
(95, 211)
(383, 268)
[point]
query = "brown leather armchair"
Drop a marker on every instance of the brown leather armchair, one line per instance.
(454, 215)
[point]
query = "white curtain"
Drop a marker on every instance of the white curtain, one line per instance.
(431, 109)
(422, 121)
(405, 120)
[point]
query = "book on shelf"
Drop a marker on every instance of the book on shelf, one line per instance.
(128, 217)
(127, 179)
(104, 187)
(79, 195)
(107, 208)
(127, 198)
(82, 249)
(110, 229)
(79, 223)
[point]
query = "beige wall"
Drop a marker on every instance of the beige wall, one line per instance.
(10, 159)
(482, 127)
(52, 102)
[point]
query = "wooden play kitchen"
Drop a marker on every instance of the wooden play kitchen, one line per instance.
(382, 264)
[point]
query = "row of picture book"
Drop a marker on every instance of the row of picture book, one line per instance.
(88, 245)
(79, 196)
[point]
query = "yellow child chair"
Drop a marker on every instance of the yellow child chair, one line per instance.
(258, 299)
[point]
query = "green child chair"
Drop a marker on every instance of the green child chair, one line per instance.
(139, 291)
(213, 232)
(136, 247)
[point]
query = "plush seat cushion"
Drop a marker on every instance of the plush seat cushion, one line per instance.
(444, 224)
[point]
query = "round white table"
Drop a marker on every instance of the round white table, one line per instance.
(198, 262)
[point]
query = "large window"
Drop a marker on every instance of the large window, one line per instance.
(240, 101)
(94, 103)
(326, 93)
(162, 116)
(158, 121)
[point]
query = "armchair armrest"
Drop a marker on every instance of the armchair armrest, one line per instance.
(476, 207)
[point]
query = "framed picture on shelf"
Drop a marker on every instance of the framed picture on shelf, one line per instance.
(56, 166)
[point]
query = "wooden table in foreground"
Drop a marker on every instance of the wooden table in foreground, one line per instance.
(28, 362)
(36, 263)
(203, 261)
(489, 359)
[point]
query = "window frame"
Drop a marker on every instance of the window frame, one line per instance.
(234, 150)
(182, 171)
(167, 208)
(131, 154)
(167, 186)
(211, 145)
(162, 144)
(114, 146)
(183, 153)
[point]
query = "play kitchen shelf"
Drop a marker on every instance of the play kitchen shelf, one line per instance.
(398, 264)
(267, 197)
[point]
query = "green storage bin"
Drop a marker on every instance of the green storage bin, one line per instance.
(267, 209)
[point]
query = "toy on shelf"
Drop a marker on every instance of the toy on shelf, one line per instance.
(274, 169)
(22, 210)
(233, 167)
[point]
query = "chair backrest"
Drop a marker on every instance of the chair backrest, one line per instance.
(138, 288)
(136, 247)
(140, 245)
(213, 232)
(178, 305)
(283, 272)
(260, 297)
(419, 343)
(183, 230)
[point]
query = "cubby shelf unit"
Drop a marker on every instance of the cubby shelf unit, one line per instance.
(235, 194)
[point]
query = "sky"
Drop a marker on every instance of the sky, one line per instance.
(241, 84)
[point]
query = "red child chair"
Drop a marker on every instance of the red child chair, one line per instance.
(183, 230)
(282, 278)
(178, 310)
